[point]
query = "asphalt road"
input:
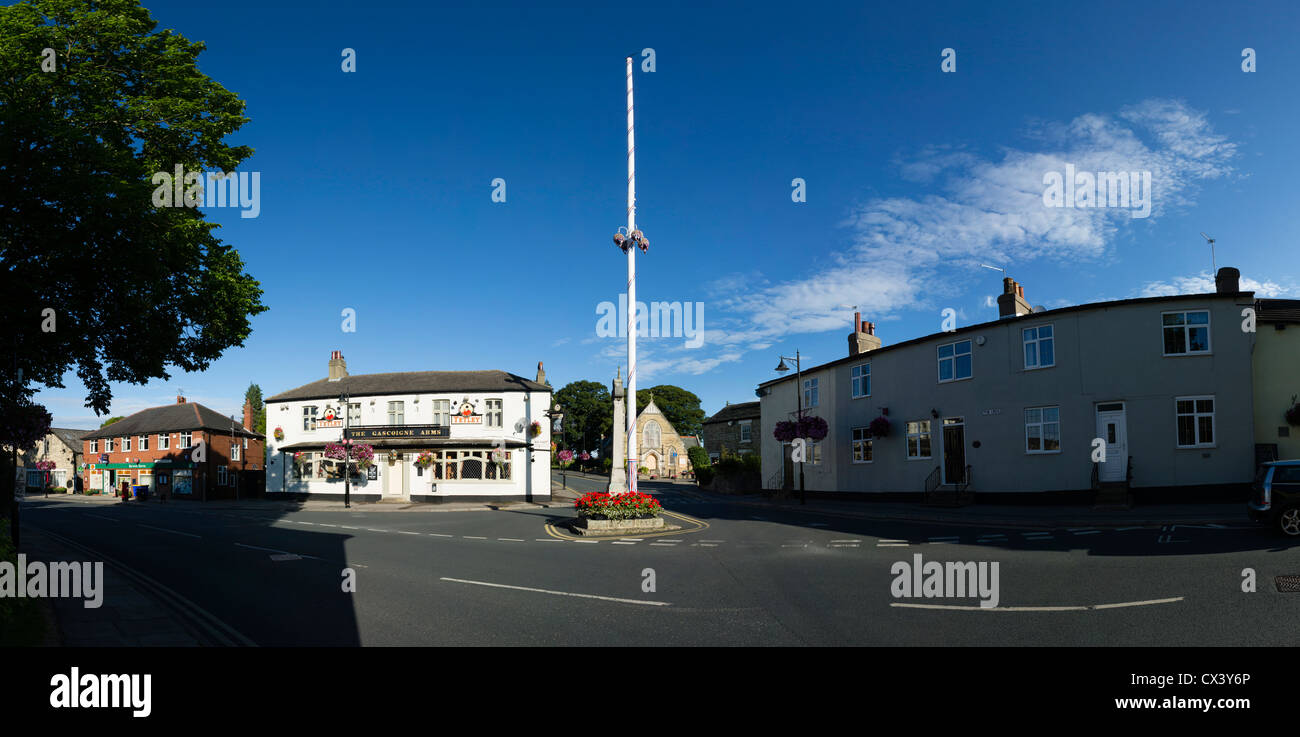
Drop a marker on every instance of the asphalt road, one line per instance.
(733, 575)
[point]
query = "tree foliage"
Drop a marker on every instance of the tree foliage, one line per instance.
(134, 288)
(588, 413)
(254, 397)
(681, 407)
(111, 420)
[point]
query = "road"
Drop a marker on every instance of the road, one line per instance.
(735, 574)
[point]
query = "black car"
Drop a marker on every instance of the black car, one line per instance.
(1276, 498)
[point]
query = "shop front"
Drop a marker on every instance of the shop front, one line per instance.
(158, 477)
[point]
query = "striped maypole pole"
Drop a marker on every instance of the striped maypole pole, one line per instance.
(631, 291)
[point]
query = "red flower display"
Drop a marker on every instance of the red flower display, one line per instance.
(631, 505)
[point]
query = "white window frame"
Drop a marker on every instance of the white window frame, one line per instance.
(1042, 424)
(810, 393)
(353, 417)
(926, 433)
(1038, 340)
(234, 451)
(126, 444)
(746, 431)
(814, 450)
(187, 440)
(441, 411)
(970, 351)
(164, 441)
(309, 413)
(1186, 328)
(861, 436)
(94, 446)
(859, 375)
(396, 410)
(144, 443)
(495, 410)
(1196, 415)
(221, 475)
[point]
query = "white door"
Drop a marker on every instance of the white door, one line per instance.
(1113, 431)
(395, 477)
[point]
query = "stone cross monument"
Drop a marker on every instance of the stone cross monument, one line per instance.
(618, 444)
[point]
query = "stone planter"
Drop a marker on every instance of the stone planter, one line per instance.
(588, 526)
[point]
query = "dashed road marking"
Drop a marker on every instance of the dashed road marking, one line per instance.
(558, 593)
(511, 539)
(473, 537)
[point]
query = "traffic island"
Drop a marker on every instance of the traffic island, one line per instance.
(629, 513)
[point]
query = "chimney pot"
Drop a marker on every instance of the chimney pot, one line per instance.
(180, 399)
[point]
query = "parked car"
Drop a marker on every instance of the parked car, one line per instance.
(1276, 496)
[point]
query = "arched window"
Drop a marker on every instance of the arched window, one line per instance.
(650, 437)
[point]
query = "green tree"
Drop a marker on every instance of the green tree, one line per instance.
(681, 407)
(588, 413)
(96, 278)
(254, 397)
(111, 420)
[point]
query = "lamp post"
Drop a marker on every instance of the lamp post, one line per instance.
(798, 394)
(347, 453)
(556, 417)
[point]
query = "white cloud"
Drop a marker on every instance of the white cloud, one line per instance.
(1203, 283)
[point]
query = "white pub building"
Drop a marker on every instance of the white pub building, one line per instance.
(437, 436)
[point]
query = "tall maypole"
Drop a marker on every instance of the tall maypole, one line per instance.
(629, 242)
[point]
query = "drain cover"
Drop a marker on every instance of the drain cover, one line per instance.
(1288, 584)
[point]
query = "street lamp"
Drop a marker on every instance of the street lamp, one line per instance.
(781, 368)
(557, 417)
(347, 453)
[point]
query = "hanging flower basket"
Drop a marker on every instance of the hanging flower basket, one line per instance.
(45, 465)
(813, 428)
(879, 427)
(1293, 415)
(279, 433)
(424, 460)
(535, 429)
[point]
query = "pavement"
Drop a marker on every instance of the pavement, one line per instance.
(1001, 515)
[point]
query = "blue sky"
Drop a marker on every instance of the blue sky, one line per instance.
(376, 185)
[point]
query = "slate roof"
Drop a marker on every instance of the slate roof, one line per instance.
(171, 418)
(742, 411)
(1030, 316)
(412, 382)
(70, 438)
(1278, 310)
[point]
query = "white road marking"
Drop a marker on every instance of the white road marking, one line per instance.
(349, 528)
(469, 537)
(511, 539)
(322, 524)
(858, 541)
(371, 529)
(588, 542)
(1089, 607)
(891, 545)
(539, 539)
(661, 545)
(285, 556)
(439, 534)
(623, 542)
(1088, 532)
(704, 545)
(174, 532)
(795, 546)
(558, 593)
(845, 545)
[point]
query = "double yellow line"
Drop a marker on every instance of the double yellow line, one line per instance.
(701, 525)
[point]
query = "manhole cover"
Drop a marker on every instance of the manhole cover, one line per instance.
(1288, 584)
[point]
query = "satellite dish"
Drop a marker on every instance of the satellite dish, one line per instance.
(1039, 308)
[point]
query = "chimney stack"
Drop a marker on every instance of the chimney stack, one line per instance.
(338, 367)
(1227, 281)
(863, 338)
(248, 414)
(1011, 303)
(541, 374)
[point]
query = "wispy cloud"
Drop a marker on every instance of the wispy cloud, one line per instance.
(1203, 283)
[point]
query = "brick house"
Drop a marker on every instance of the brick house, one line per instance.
(154, 448)
(61, 445)
(735, 428)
